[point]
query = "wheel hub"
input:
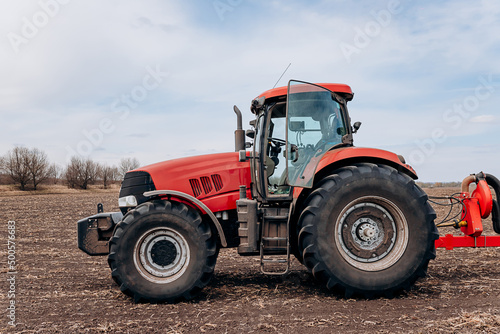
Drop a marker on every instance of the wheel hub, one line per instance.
(163, 252)
(161, 255)
(366, 232)
(371, 233)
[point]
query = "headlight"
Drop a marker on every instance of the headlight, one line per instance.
(134, 185)
(127, 201)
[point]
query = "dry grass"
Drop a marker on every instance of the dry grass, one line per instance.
(44, 189)
(467, 322)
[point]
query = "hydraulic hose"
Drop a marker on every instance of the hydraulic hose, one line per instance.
(466, 182)
(495, 214)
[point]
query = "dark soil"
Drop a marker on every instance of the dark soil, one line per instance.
(59, 289)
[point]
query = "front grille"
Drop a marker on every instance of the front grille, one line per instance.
(136, 183)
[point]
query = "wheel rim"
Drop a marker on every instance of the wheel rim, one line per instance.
(161, 255)
(372, 233)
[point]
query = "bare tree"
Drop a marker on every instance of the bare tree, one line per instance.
(80, 173)
(15, 163)
(127, 164)
(38, 166)
(71, 172)
(107, 174)
(117, 177)
(3, 171)
(55, 173)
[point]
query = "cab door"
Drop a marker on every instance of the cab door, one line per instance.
(315, 124)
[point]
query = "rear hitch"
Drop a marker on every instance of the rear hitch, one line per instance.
(476, 206)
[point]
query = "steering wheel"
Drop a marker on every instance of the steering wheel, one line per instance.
(277, 142)
(275, 148)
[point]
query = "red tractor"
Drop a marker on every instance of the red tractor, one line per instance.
(353, 216)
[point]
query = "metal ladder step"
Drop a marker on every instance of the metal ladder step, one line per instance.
(274, 238)
(276, 217)
(270, 258)
(274, 260)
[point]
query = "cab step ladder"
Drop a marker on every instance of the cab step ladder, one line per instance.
(275, 250)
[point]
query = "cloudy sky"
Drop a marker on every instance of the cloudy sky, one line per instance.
(157, 79)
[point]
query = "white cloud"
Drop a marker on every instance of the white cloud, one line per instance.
(483, 119)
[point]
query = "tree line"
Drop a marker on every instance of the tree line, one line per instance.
(28, 167)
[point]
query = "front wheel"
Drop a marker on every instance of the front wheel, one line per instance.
(162, 252)
(367, 230)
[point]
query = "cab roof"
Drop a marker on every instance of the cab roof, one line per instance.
(343, 89)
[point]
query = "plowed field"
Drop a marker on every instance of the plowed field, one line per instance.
(59, 289)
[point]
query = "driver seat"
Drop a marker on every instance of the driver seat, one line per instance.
(270, 166)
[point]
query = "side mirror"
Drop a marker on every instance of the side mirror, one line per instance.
(356, 127)
(297, 126)
(257, 104)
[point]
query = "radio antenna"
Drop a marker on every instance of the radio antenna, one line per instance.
(282, 75)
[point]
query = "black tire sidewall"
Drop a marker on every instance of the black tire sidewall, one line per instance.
(394, 187)
(130, 274)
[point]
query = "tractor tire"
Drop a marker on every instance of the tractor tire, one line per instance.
(367, 230)
(162, 251)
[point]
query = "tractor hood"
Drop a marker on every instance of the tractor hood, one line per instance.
(210, 178)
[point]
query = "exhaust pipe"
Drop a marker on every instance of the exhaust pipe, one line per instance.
(495, 214)
(239, 134)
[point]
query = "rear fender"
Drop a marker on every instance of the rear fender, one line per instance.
(348, 155)
(345, 156)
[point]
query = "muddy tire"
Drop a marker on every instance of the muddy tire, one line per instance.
(162, 252)
(367, 230)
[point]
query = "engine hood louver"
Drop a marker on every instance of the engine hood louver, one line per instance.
(205, 185)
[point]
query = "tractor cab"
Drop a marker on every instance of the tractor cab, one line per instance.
(294, 127)
(293, 130)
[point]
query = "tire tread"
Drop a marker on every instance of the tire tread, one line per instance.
(189, 215)
(313, 205)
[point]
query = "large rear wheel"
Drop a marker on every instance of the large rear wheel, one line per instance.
(367, 230)
(162, 252)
